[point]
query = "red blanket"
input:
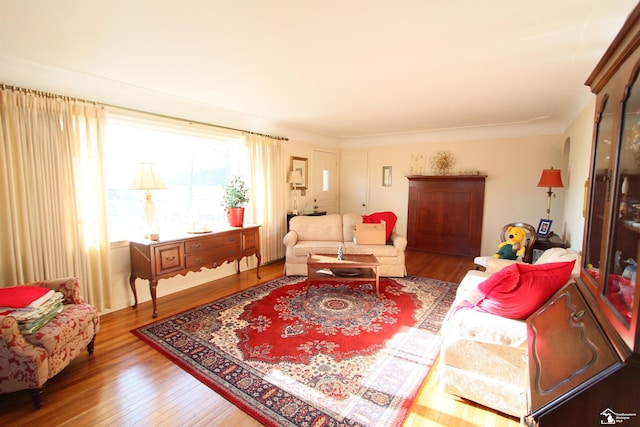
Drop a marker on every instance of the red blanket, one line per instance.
(20, 296)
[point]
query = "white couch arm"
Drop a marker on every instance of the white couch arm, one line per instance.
(399, 242)
(23, 365)
(290, 239)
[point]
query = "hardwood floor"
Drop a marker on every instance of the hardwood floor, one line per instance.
(128, 383)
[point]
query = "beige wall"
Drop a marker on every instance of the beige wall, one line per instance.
(580, 137)
(512, 166)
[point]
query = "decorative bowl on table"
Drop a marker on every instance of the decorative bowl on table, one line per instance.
(346, 272)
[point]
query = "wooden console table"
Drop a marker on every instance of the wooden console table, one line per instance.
(167, 258)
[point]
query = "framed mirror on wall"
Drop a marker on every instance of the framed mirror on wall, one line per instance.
(300, 164)
(386, 176)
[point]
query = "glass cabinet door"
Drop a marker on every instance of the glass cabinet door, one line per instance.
(600, 180)
(620, 287)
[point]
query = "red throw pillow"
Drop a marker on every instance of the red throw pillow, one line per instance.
(388, 217)
(520, 289)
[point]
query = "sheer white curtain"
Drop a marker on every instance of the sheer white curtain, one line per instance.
(267, 178)
(52, 201)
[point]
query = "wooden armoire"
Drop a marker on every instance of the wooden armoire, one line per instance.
(445, 214)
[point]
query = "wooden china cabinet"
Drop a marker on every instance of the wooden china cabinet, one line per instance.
(584, 346)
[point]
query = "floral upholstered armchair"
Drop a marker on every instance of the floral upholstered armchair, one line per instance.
(27, 361)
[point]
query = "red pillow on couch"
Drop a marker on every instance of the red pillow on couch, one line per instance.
(520, 289)
(388, 217)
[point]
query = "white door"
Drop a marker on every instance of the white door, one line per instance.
(325, 181)
(354, 182)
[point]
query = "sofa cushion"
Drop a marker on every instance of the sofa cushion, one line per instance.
(518, 290)
(376, 250)
(327, 227)
(349, 222)
(303, 248)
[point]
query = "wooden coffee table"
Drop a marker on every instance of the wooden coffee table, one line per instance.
(355, 268)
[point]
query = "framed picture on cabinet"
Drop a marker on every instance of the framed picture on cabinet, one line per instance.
(544, 228)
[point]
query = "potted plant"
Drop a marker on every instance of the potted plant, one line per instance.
(236, 195)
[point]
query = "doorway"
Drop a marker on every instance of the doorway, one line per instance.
(354, 182)
(325, 181)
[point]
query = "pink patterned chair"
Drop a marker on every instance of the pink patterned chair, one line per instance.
(28, 361)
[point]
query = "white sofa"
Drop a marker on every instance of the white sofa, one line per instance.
(324, 234)
(484, 357)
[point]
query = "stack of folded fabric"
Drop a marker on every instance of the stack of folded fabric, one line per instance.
(32, 306)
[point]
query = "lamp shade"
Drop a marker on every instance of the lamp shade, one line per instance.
(550, 178)
(147, 178)
(295, 177)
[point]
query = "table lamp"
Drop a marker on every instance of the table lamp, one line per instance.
(147, 179)
(295, 178)
(550, 178)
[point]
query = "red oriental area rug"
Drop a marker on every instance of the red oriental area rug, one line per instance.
(331, 355)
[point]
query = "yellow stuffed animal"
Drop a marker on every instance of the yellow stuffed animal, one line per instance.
(514, 246)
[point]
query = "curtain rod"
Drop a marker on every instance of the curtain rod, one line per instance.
(69, 98)
(45, 94)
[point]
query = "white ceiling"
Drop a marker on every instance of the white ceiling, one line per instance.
(344, 69)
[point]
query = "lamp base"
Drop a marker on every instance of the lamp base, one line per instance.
(151, 232)
(152, 236)
(550, 194)
(149, 215)
(295, 202)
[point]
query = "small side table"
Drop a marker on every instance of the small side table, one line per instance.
(314, 213)
(543, 243)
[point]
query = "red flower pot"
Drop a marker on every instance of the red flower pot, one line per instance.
(235, 216)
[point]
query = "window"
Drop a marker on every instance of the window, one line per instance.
(193, 161)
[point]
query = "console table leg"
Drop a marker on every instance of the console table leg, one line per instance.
(132, 283)
(257, 269)
(259, 262)
(153, 284)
